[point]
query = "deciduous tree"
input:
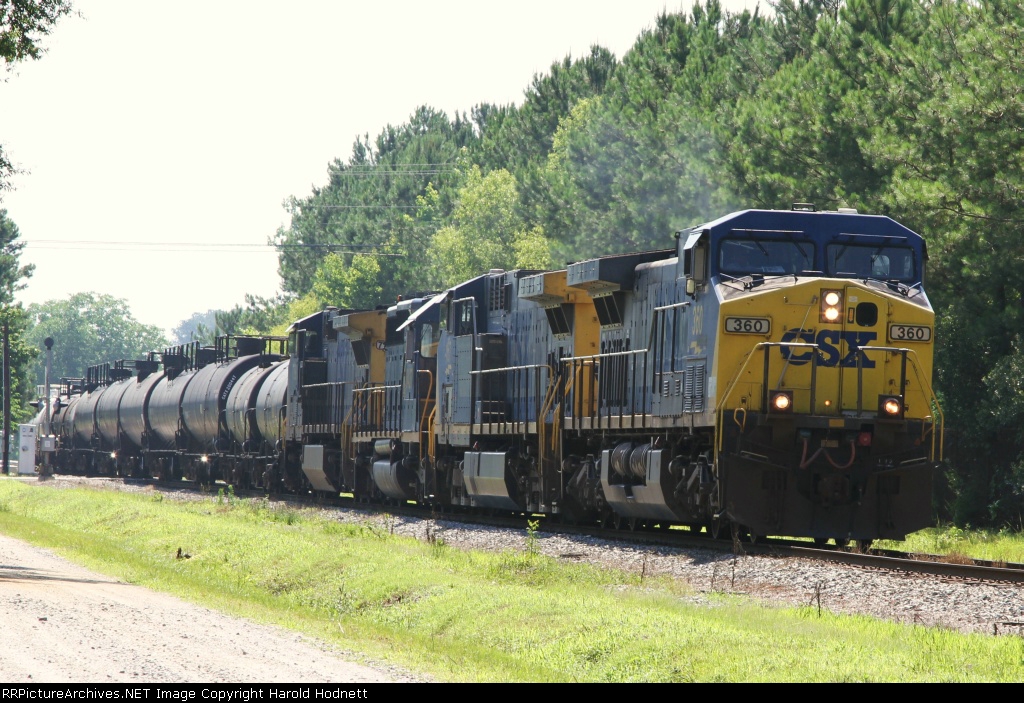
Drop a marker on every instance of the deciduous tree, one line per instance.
(23, 24)
(88, 329)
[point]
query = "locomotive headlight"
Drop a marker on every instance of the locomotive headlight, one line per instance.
(831, 305)
(781, 401)
(890, 406)
(204, 459)
(113, 455)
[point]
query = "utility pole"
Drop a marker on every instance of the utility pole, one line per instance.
(44, 471)
(7, 398)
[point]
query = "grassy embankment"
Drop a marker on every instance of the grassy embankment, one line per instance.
(1002, 546)
(470, 616)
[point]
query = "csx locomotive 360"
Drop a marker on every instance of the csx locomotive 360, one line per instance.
(769, 375)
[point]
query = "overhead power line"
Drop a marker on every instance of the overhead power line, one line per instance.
(358, 207)
(205, 247)
(426, 172)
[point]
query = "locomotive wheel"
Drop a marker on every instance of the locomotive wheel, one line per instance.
(741, 533)
(862, 545)
(738, 532)
(715, 528)
(820, 541)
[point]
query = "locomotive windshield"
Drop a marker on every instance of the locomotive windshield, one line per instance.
(871, 261)
(741, 257)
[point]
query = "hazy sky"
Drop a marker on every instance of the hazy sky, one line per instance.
(159, 140)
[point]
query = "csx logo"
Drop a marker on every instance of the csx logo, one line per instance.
(829, 344)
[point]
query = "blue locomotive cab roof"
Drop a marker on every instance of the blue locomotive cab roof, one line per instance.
(792, 242)
(314, 321)
(433, 304)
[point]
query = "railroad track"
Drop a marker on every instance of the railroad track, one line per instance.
(958, 568)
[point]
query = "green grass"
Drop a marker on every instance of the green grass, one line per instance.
(1002, 546)
(472, 616)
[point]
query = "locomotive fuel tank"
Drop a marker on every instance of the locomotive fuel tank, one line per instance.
(637, 483)
(490, 482)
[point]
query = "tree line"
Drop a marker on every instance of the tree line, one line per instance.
(906, 108)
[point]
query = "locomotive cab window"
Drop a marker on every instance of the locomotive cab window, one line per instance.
(700, 263)
(464, 322)
(443, 311)
(742, 257)
(872, 261)
(428, 345)
(695, 262)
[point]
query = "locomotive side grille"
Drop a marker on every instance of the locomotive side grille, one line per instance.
(497, 294)
(688, 391)
(698, 388)
(693, 388)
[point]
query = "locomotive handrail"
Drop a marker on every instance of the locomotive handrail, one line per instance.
(345, 439)
(431, 436)
(742, 424)
(332, 399)
(523, 424)
(549, 404)
(248, 424)
(592, 357)
(376, 417)
(595, 360)
(926, 385)
(358, 406)
(282, 420)
(426, 404)
(521, 377)
(571, 386)
(513, 368)
(720, 410)
(542, 425)
(904, 352)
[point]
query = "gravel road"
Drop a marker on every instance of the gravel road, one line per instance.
(60, 623)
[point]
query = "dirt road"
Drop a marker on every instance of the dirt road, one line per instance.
(61, 623)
